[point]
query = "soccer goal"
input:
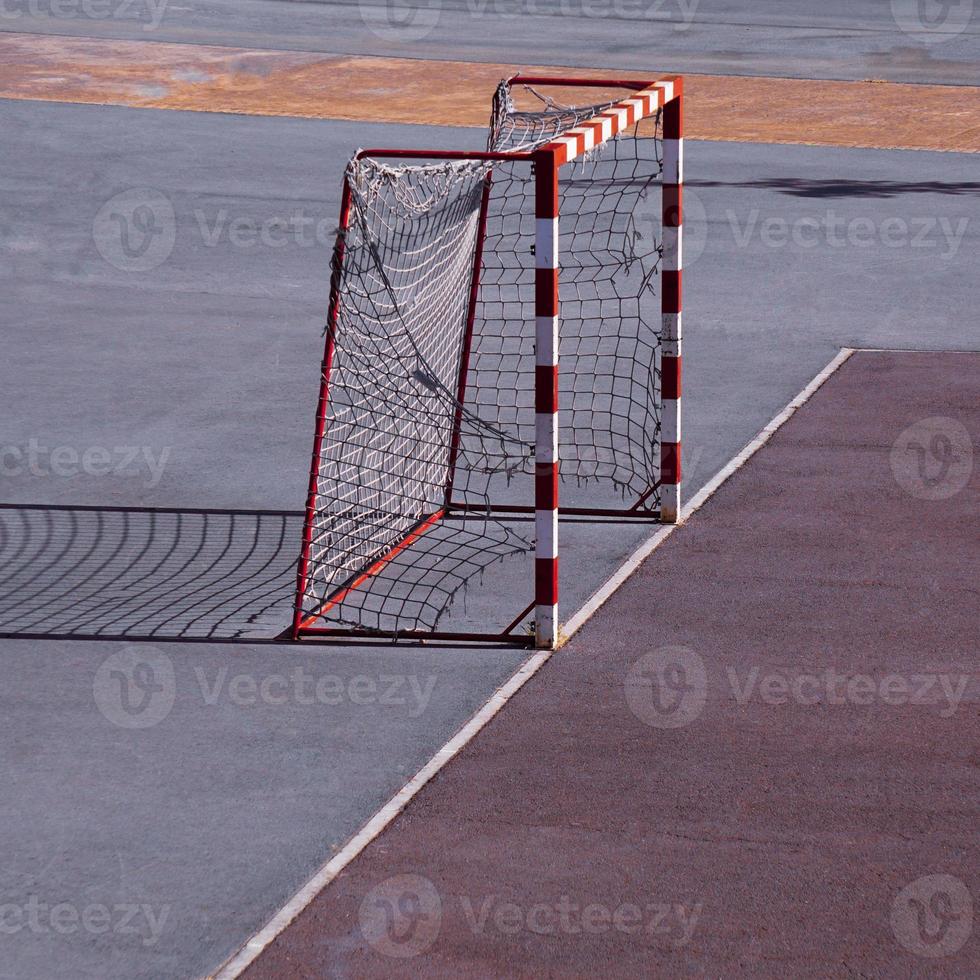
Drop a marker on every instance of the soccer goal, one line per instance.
(503, 349)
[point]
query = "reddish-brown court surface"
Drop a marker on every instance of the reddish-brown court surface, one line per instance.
(759, 758)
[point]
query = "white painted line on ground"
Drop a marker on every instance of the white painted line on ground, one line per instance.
(265, 936)
(910, 350)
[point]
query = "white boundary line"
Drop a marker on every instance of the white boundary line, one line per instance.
(235, 966)
(911, 350)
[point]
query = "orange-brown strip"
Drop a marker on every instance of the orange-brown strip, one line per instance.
(278, 83)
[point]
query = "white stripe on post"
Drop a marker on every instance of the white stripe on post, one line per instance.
(620, 116)
(673, 245)
(546, 529)
(671, 335)
(670, 425)
(673, 161)
(546, 341)
(545, 247)
(571, 146)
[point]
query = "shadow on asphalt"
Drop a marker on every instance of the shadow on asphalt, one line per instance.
(800, 187)
(127, 572)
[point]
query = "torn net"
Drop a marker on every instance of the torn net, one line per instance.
(609, 251)
(407, 472)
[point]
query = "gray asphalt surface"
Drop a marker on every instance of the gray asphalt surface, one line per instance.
(897, 40)
(213, 813)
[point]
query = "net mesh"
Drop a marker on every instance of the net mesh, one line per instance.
(409, 472)
(609, 253)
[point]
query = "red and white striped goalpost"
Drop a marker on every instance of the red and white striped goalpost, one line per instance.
(547, 162)
(666, 94)
(670, 338)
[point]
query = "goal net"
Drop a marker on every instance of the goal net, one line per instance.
(609, 243)
(429, 422)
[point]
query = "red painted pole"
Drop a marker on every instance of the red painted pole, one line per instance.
(302, 571)
(464, 363)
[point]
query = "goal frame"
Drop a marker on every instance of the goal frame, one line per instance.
(546, 162)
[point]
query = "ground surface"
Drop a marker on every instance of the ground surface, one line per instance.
(739, 778)
(180, 372)
(904, 40)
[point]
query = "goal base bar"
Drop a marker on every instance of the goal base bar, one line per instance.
(480, 510)
(312, 633)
